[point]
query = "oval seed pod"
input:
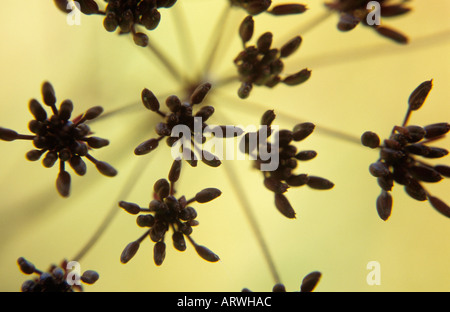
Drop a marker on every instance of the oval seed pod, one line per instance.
(370, 139)
(62, 5)
(306, 155)
(90, 277)
(278, 288)
(285, 9)
(290, 47)
(443, 170)
(268, 117)
(244, 90)
(34, 155)
(110, 22)
(175, 171)
(275, 185)
(210, 159)
(37, 110)
(65, 110)
(206, 254)
(63, 183)
(310, 281)
(297, 78)
(264, 42)
(96, 142)
(146, 220)
(436, 130)
(131, 208)
(439, 205)
(200, 93)
(393, 35)
(179, 242)
(48, 94)
(8, 134)
(379, 169)
(26, 266)
(159, 253)
(246, 29)
(106, 169)
(425, 174)
(78, 165)
(384, 205)
(140, 39)
(207, 195)
(146, 147)
(284, 206)
(88, 7)
(415, 190)
(129, 252)
(151, 19)
(149, 100)
(302, 131)
(419, 95)
(162, 188)
(319, 183)
(93, 112)
(297, 180)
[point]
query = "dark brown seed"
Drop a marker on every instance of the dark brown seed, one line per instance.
(415, 133)
(319, 183)
(418, 149)
(162, 129)
(206, 253)
(110, 22)
(88, 7)
(436, 130)
(146, 220)
(297, 78)
(347, 22)
(290, 47)
(425, 174)
(140, 39)
(284, 206)
(173, 102)
(63, 183)
(443, 170)
(129, 252)
(65, 110)
(93, 112)
(415, 190)
(379, 169)
(306, 155)
(62, 5)
(439, 205)
(310, 281)
(370, 139)
(285, 9)
(175, 171)
(146, 147)
(436, 152)
(151, 19)
(106, 169)
(275, 185)
(384, 205)
(419, 95)
(96, 142)
(302, 131)
(131, 208)
(264, 42)
(210, 159)
(391, 155)
(200, 93)
(34, 155)
(392, 34)
(89, 277)
(278, 288)
(48, 94)
(26, 266)
(246, 29)
(205, 112)
(207, 195)
(78, 165)
(149, 100)
(8, 134)
(159, 253)
(244, 90)
(179, 242)
(37, 110)
(162, 188)
(394, 10)
(386, 183)
(297, 180)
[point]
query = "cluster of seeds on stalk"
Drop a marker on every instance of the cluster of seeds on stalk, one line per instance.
(166, 212)
(405, 155)
(354, 12)
(261, 64)
(125, 15)
(181, 114)
(61, 139)
(308, 284)
(283, 177)
(255, 7)
(56, 279)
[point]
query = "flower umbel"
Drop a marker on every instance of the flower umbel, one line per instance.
(404, 158)
(56, 279)
(167, 212)
(61, 139)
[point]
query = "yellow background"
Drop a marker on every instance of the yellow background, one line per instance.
(360, 81)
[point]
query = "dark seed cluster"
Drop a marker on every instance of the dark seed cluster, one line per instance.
(308, 284)
(255, 7)
(181, 113)
(56, 279)
(404, 158)
(354, 12)
(261, 64)
(61, 139)
(167, 212)
(125, 15)
(280, 180)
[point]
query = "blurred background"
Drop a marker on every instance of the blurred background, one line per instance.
(360, 81)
